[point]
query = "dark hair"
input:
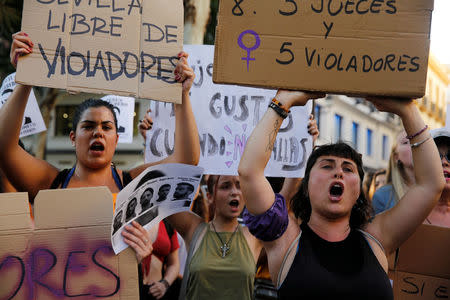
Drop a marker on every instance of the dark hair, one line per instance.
(146, 190)
(211, 183)
(300, 203)
(88, 103)
(442, 140)
(132, 200)
(190, 186)
(149, 176)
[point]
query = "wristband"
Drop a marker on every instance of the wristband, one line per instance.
(280, 111)
(166, 284)
(274, 100)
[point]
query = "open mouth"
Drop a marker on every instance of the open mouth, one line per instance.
(97, 146)
(446, 175)
(336, 190)
(234, 203)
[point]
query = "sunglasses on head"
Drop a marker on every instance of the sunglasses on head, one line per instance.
(447, 156)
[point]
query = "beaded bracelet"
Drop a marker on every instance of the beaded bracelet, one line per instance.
(280, 111)
(410, 137)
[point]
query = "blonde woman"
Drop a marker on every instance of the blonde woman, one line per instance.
(400, 176)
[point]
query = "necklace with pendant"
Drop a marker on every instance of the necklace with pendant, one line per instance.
(225, 246)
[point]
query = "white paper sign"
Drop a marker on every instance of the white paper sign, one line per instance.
(124, 108)
(158, 192)
(226, 116)
(32, 121)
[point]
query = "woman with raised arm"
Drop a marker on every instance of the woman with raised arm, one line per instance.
(336, 252)
(94, 137)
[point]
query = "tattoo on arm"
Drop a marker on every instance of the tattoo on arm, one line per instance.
(272, 137)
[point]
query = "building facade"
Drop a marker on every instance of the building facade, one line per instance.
(357, 122)
(433, 106)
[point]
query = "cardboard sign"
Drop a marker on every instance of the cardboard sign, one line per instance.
(158, 192)
(422, 269)
(68, 253)
(124, 109)
(126, 47)
(226, 116)
(353, 47)
(32, 121)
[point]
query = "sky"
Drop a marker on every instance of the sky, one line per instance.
(440, 31)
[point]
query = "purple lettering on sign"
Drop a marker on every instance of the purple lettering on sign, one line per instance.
(248, 49)
(239, 144)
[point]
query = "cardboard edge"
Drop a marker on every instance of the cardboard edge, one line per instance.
(336, 91)
(127, 267)
(15, 216)
(61, 208)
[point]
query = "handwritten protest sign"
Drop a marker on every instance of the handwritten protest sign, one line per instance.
(422, 266)
(32, 121)
(350, 47)
(126, 47)
(67, 254)
(226, 116)
(124, 109)
(158, 192)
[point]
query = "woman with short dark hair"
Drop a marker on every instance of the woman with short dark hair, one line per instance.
(338, 251)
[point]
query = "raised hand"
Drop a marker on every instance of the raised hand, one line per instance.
(392, 105)
(312, 128)
(184, 73)
(145, 124)
(296, 98)
(21, 45)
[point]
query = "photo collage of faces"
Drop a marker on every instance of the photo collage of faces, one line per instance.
(155, 194)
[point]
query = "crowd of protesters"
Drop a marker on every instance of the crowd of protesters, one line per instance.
(326, 235)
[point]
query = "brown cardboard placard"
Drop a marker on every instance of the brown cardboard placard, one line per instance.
(353, 47)
(68, 253)
(422, 268)
(410, 286)
(125, 47)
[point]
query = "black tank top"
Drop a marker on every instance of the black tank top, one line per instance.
(335, 270)
(62, 179)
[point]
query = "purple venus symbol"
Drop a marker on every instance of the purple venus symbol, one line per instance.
(256, 46)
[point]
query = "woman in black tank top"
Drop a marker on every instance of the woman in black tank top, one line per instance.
(336, 252)
(94, 136)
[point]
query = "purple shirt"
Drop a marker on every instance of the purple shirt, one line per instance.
(271, 224)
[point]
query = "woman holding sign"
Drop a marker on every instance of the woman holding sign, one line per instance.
(336, 252)
(95, 138)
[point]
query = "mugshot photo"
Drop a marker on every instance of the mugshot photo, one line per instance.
(163, 192)
(131, 210)
(117, 221)
(145, 200)
(183, 190)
